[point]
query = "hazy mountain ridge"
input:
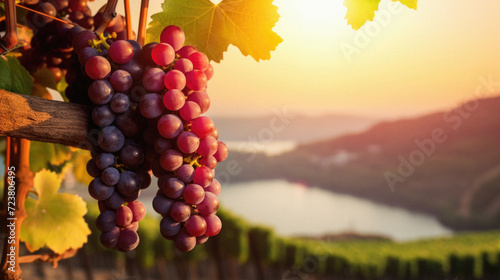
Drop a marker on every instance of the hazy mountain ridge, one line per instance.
(286, 126)
(446, 163)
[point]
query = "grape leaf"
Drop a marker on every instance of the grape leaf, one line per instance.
(14, 77)
(42, 153)
(360, 11)
(54, 220)
(211, 28)
(79, 166)
(412, 4)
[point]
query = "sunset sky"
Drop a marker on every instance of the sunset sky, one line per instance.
(412, 63)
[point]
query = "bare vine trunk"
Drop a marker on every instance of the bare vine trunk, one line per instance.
(39, 119)
(15, 212)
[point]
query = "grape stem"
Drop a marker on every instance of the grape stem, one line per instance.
(102, 41)
(9, 40)
(108, 15)
(192, 160)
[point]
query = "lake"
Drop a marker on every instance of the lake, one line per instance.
(296, 209)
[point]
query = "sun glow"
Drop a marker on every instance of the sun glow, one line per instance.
(315, 16)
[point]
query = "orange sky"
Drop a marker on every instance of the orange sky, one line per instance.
(413, 61)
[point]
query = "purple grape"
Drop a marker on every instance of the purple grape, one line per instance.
(97, 67)
(119, 103)
(170, 126)
(100, 191)
(152, 79)
(214, 225)
(209, 162)
(201, 239)
(114, 201)
(172, 188)
(86, 53)
(185, 242)
(102, 115)
(203, 176)
(109, 239)
(174, 36)
(209, 205)
(92, 168)
(214, 187)
(110, 176)
(128, 239)
(174, 99)
(81, 40)
(100, 92)
(190, 111)
(193, 194)
(105, 160)
(163, 54)
(106, 221)
(188, 142)
(184, 65)
(201, 98)
(208, 146)
(128, 123)
(124, 216)
(171, 160)
(121, 80)
(180, 211)
(185, 173)
(134, 69)
(138, 210)
(174, 79)
(151, 105)
(162, 204)
(121, 51)
(161, 144)
(144, 178)
(222, 152)
(132, 154)
(169, 227)
(196, 225)
(128, 185)
(111, 139)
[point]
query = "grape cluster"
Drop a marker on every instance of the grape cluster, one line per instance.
(147, 108)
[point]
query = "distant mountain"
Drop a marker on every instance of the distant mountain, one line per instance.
(446, 164)
(290, 127)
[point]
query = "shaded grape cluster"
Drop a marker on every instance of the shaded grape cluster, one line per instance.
(51, 44)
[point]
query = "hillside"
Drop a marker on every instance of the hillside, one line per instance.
(446, 164)
(288, 126)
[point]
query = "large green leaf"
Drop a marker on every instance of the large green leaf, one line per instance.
(14, 77)
(55, 220)
(361, 11)
(211, 28)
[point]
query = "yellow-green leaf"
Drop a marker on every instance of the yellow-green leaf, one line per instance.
(360, 11)
(42, 154)
(211, 28)
(79, 166)
(55, 220)
(412, 4)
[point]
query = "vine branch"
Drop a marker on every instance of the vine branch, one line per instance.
(49, 257)
(39, 119)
